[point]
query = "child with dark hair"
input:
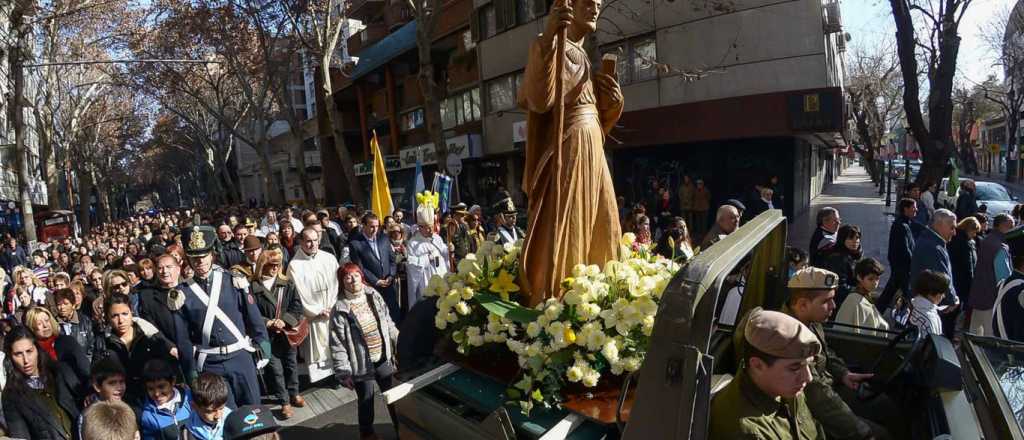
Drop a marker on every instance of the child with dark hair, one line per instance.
(930, 288)
(108, 384)
(796, 258)
(167, 405)
(858, 309)
(209, 408)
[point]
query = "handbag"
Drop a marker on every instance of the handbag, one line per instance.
(295, 335)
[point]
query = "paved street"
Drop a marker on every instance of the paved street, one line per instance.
(858, 203)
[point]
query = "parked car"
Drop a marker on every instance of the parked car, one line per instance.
(993, 195)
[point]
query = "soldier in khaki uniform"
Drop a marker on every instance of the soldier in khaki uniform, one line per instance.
(766, 399)
(812, 301)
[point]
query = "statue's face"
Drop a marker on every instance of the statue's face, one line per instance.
(586, 13)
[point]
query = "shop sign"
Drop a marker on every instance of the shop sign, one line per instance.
(816, 112)
(465, 147)
(391, 163)
(454, 164)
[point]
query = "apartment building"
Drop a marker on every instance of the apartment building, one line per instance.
(730, 95)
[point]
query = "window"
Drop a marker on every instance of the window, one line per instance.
(412, 120)
(637, 59)
(501, 15)
(460, 108)
(488, 23)
(501, 92)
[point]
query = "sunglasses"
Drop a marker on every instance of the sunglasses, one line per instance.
(119, 285)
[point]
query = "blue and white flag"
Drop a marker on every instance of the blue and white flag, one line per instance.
(443, 187)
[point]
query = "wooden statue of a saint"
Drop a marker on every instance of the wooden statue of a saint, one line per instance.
(573, 217)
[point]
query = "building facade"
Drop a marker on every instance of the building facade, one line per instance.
(8, 159)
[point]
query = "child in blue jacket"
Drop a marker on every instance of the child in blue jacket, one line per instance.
(168, 406)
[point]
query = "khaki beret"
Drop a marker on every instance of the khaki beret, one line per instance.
(814, 278)
(780, 335)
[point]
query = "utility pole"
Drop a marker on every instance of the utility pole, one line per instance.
(22, 32)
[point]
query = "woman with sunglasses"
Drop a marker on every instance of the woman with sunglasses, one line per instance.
(282, 309)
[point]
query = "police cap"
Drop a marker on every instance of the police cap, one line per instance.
(199, 240)
(780, 335)
(504, 205)
(813, 278)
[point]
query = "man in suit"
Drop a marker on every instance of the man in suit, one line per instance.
(372, 252)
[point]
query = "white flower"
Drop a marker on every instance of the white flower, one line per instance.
(587, 312)
(462, 308)
(572, 297)
(631, 364)
(647, 325)
(467, 293)
(593, 270)
(469, 267)
(574, 373)
(533, 329)
(526, 406)
(590, 378)
(610, 351)
(440, 322)
(553, 310)
(451, 318)
(436, 286)
(534, 349)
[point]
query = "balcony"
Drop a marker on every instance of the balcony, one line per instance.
(365, 10)
(367, 37)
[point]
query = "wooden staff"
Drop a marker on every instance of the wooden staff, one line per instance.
(560, 42)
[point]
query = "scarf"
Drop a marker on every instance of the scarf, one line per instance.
(49, 344)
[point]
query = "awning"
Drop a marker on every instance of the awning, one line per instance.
(385, 50)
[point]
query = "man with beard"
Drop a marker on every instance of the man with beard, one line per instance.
(316, 281)
(222, 320)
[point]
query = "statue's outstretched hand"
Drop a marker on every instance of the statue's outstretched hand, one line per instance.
(609, 94)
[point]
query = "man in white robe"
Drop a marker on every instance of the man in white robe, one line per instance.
(426, 256)
(316, 281)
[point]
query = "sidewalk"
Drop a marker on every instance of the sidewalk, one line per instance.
(858, 203)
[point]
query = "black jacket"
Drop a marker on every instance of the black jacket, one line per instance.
(72, 355)
(816, 251)
(230, 254)
(841, 261)
(28, 416)
(153, 307)
(291, 305)
(82, 329)
(963, 257)
(901, 245)
(374, 268)
(966, 204)
(148, 344)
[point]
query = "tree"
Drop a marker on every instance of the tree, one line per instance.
(21, 23)
(929, 30)
(969, 106)
(1004, 38)
(319, 24)
(873, 89)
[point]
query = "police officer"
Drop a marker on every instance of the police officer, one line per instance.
(223, 323)
(506, 230)
(456, 231)
(765, 400)
(830, 394)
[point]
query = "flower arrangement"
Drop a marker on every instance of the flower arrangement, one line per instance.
(600, 326)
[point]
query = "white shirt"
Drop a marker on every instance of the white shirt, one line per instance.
(857, 310)
(925, 315)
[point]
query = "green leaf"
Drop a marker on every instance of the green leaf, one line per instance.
(507, 309)
(513, 394)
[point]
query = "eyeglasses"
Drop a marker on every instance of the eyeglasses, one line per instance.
(120, 285)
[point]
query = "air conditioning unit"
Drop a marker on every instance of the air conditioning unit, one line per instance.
(833, 18)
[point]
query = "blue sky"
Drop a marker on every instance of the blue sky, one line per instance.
(869, 23)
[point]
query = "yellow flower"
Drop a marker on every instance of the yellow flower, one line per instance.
(504, 284)
(570, 336)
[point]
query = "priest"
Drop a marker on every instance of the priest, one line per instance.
(426, 254)
(316, 281)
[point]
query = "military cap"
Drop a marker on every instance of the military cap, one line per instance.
(736, 204)
(251, 242)
(199, 240)
(780, 335)
(504, 205)
(460, 208)
(814, 278)
(248, 422)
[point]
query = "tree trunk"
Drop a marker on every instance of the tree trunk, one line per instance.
(274, 193)
(49, 174)
(331, 127)
(299, 150)
(85, 186)
(21, 132)
(103, 200)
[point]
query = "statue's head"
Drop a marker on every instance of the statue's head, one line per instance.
(586, 13)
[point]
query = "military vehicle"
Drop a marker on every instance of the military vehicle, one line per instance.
(972, 390)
